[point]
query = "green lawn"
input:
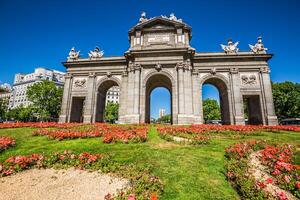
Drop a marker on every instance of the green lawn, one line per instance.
(188, 172)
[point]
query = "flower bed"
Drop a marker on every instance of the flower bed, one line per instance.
(6, 142)
(110, 133)
(183, 134)
(143, 184)
(37, 125)
(274, 158)
(126, 134)
(203, 131)
(278, 160)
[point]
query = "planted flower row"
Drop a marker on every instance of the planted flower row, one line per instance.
(280, 170)
(37, 125)
(183, 134)
(6, 142)
(279, 162)
(109, 133)
(143, 185)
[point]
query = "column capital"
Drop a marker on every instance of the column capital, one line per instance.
(234, 70)
(92, 75)
(264, 70)
(68, 75)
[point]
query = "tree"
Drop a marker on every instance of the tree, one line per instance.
(111, 112)
(21, 113)
(3, 107)
(46, 98)
(286, 97)
(211, 109)
(164, 119)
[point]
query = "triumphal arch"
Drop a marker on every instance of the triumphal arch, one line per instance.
(160, 55)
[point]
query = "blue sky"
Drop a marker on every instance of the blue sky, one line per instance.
(40, 33)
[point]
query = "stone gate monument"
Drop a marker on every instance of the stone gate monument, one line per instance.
(160, 55)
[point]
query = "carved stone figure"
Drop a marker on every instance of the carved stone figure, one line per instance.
(96, 53)
(73, 55)
(248, 80)
(143, 17)
(80, 83)
(230, 47)
(158, 67)
(258, 47)
(174, 18)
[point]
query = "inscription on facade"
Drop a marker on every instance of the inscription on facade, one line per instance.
(158, 38)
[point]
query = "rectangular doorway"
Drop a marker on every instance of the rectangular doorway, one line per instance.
(77, 109)
(252, 110)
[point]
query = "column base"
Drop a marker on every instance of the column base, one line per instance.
(187, 119)
(272, 120)
(62, 119)
(239, 120)
(87, 119)
(129, 119)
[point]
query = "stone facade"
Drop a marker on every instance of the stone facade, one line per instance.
(160, 55)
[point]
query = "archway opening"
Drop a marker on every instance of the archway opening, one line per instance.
(160, 106)
(107, 102)
(156, 84)
(77, 108)
(211, 104)
(216, 101)
(252, 110)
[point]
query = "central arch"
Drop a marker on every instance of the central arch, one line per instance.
(221, 84)
(155, 81)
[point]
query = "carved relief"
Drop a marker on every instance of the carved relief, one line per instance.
(249, 79)
(80, 83)
(158, 67)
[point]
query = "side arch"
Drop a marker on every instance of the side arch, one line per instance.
(102, 86)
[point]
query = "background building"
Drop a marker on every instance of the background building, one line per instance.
(23, 81)
(5, 92)
(162, 112)
(112, 95)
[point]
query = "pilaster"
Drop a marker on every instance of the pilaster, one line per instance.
(89, 103)
(66, 99)
(267, 90)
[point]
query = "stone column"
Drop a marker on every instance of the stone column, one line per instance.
(123, 97)
(266, 87)
(238, 108)
(137, 74)
(180, 84)
(133, 91)
(197, 103)
(65, 106)
(89, 103)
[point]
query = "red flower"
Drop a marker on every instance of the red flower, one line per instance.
(153, 197)
(297, 185)
(281, 195)
(131, 197)
(269, 180)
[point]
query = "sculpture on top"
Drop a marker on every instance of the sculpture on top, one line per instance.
(230, 47)
(258, 47)
(143, 17)
(73, 55)
(96, 53)
(174, 18)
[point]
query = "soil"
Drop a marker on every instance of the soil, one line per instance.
(51, 184)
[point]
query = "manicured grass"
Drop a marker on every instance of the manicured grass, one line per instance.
(188, 172)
